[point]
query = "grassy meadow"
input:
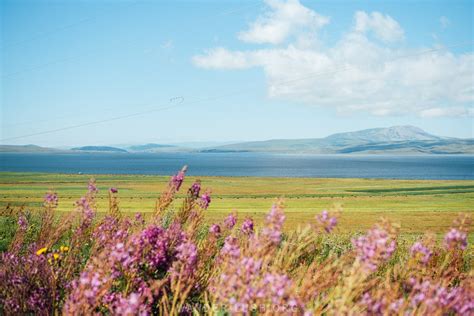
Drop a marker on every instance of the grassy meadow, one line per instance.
(417, 205)
(277, 256)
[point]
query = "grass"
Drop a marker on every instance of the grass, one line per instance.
(418, 205)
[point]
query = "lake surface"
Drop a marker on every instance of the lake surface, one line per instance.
(247, 164)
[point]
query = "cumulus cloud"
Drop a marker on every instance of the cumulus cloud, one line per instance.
(443, 112)
(384, 27)
(221, 58)
(359, 73)
(283, 20)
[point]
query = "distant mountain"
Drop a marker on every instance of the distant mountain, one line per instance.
(390, 134)
(391, 140)
(26, 149)
(150, 147)
(100, 149)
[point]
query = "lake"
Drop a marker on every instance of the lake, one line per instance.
(246, 164)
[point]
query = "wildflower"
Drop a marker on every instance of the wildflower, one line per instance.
(132, 305)
(215, 230)
(374, 248)
(139, 219)
(230, 221)
(274, 224)
(22, 222)
(55, 256)
(91, 187)
(195, 189)
(41, 251)
(455, 239)
(177, 180)
(51, 199)
(64, 248)
(186, 261)
(113, 190)
(247, 226)
(205, 200)
(326, 221)
(231, 247)
(419, 251)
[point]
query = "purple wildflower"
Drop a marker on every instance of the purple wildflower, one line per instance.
(274, 224)
(247, 226)
(185, 265)
(215, 230)
(277, 285)
(22, 222)
(205, 200)
(230, 221)
(132, 305)
(113, 190)
(435, 297)
(139, 220)
(455, 239)
(91, 187)
(177, 180)
(374, 248)
(327, 222)
(51, 199)
(231, 247)
(422, 253)
(87, 210)
(195, 189)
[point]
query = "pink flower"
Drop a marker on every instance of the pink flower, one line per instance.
(205, 200)
(455, 239)
(374, 248)
(421, 252)
(247, 226)
(274, 224)
(326, 221)
(215, 230)
(230, 221)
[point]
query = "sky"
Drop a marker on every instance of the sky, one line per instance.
(134, 71)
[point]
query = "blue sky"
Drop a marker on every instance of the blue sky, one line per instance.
(232, 70)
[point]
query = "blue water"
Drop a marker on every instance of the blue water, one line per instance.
(247, 164)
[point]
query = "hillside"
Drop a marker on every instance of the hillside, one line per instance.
(392, 140)
(100, 149)
(26, 149)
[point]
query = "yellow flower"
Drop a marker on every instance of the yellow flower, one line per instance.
(56, 256)
(41, 251)
(64, 248)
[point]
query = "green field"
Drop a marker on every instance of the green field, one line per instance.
(418, 205)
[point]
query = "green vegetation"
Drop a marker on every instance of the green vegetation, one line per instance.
(418, 205)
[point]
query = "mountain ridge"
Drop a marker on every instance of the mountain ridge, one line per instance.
(396, 139)
(403, 139)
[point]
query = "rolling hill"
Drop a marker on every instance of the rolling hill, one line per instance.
(391, 140)
(99, 149)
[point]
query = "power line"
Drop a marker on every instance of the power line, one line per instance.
(63, 27)
(318, 74)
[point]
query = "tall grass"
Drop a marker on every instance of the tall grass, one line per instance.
(175, 264)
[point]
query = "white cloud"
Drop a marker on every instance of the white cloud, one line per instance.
(444, 21)
(358, 74)
(443, 112)
(384, 27)
(221, 58)
(283, 20)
